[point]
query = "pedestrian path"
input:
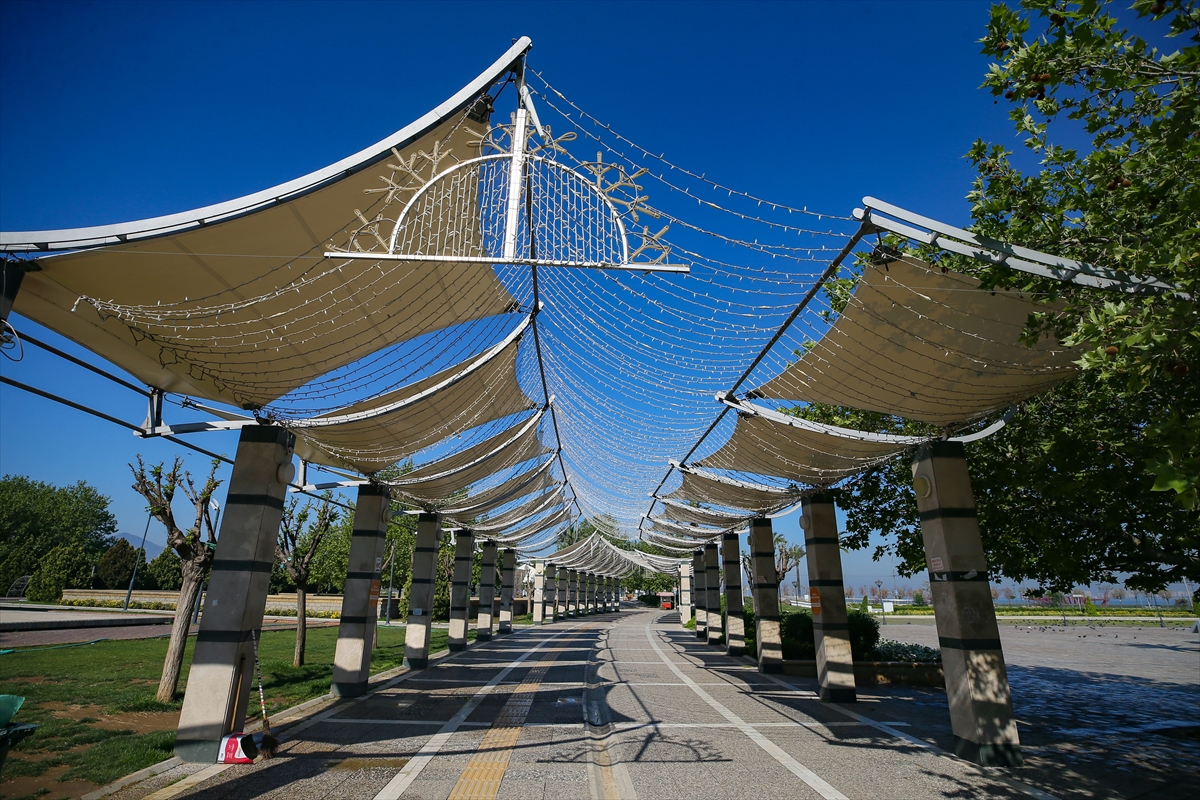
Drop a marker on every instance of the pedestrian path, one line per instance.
(625, 705)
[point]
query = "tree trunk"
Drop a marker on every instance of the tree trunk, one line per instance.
(193, 579)
(301, 624)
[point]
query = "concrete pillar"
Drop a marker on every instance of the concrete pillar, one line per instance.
(360, 598)
(735, 624)
(685, 593)
(701, 595)
(460, 589)
(508, 560)
(549, 594)
(831, 631)
(222, 671)
(609, 596)
(572, 593)
(591, 593)
(766, 597)
(538, 600)
(420, 596)
(487, 592)
(563, 579)
(981, 712)
(712, 591)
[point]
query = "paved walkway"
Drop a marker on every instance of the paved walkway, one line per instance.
(617, 706)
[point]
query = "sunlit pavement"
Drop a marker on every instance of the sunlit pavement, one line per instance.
(632, 706)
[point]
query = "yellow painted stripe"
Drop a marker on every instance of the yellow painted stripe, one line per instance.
(484, 772)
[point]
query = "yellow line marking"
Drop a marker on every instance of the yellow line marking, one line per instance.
(485, 771)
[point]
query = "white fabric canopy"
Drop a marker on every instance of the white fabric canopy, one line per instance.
(236, 303)
(932, 346)
(440, 481)
(682, 512)
(768, 443)
(532, 481)
(730, 493)
(385, 430)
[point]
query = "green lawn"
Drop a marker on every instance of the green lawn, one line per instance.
(118, 680)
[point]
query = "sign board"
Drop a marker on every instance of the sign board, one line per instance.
(888, 606)
(373, 596)
(814, 595)
(378, 564)
(935, 564)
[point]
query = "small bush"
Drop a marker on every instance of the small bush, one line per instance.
(690, 624)
(918, 598)
(650, 600)
(891, 650)
(116, 565)
(64, 567)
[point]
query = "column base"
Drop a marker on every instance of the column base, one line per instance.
(837, 695)
(483, 636)
(771, 668)
(1004, 754)
(457, 647)
(197, 751)
(735, 651)
(348, 688)
(503, 631)
(416, 663)
(702, 635)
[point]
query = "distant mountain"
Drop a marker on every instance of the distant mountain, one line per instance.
(152, 548)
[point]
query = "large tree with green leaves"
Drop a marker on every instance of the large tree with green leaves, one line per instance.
(1130, 201)
(1098, 477)
(36, 517)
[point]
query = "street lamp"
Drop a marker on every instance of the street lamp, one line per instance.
(879, 586)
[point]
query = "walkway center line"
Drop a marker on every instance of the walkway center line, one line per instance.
(795, 767)
(404, 778)
(481, 778)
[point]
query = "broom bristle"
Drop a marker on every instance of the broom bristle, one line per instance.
(268, 746)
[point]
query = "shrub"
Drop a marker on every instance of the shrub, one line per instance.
(64, 567)
(890, 650)
(796, 631)
(165, 571)
(918, 598)
(650, 600)
(116, 565)
(690, 624)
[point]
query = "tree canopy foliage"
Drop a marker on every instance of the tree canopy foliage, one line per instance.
(36, 517)
(1098, 477)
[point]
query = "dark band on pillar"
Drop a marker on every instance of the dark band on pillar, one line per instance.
(826, 583)
(970, 576)
(969, 644)
(948, 513)
(253, 500)
(240, 565)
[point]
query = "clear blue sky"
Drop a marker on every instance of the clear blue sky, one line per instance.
(120, 111)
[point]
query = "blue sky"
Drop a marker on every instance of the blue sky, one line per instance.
(120, 111)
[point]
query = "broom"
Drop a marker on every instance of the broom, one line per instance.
(269, 743)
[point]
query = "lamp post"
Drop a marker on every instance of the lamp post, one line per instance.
(137, 561)
(879, 586)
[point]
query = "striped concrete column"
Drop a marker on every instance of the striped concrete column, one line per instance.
(572, 593)
(360, 598)
(981, 712)
(610, 597)
(685, 593)
(487, 592)
(460, 589)
(831, 630)
(420, 595)
(591, 593)
(766, 597)
(222, 672)
(508, 561)
(735, 624)
(712, 591)
(550, 594)
(539, 593)
(562, 580)
(701, 595)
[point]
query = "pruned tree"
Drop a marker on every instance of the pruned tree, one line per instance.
(298, 543)
(787, 558)
(195, 548)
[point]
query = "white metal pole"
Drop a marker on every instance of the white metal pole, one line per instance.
(516, 177)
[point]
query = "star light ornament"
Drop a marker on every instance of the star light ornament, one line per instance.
(517, 203)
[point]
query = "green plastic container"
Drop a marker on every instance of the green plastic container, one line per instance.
(10, 704)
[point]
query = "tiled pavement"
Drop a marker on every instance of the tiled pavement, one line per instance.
(631, 706)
